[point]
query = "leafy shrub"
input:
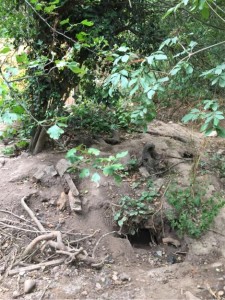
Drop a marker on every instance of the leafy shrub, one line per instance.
(192, 212)
(110, 166)
(132, 212)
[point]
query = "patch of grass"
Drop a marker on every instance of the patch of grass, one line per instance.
(192, 212)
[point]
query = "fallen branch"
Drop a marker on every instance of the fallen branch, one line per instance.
(55, 262)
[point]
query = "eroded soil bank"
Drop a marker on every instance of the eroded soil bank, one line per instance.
(142, 267)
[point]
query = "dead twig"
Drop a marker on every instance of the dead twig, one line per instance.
(31, 214)
(12, 214)
(101, 238)
(84, 238)
(45, 290)
(161, 208)
(19, 228)
(51, 263)
(212, 292)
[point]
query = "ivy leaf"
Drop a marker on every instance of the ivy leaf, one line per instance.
(84, 173)
(55, 131)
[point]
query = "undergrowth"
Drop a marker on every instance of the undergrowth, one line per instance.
(131, 212)
(192, 211)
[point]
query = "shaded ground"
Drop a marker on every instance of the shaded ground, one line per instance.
(144, 270)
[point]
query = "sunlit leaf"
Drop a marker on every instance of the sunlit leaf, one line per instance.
(55, 132)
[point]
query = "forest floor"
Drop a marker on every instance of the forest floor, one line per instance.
(139, 268)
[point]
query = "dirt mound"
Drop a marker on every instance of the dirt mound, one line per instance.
(133, 264)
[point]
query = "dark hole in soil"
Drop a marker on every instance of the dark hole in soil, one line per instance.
(187, 154)
(142, 238)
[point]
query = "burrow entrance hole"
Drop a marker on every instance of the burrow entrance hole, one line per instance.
(150, 241)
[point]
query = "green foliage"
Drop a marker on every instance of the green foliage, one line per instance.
(110, 166)
(211, 116)
(55, 131)
(98, 117)
(8, 151)
(131, 213)
(192, 212)
(217, 164)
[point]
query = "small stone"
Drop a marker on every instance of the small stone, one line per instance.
(114, 277)
(15, 294)
(75, 203)
(71, 185)
(98, 286)
(29, 285)
(217, 270)
(50, 170)
(159, 253)
(124, 277)
(143, 171)
(62, 201)
(22, 273)
(190, 296)
(38, 175)
(84, 293)
(220, 293)
(62, 166)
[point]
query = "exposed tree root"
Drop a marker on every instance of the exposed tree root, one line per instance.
(54, 241)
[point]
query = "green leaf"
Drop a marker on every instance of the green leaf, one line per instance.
(95, 177)
(123, 49)
(124, 82)
(5, 50)
(87, 23)
(210, 130)
(93, 151)
(66, 21)
(74, 67)
(125, 58)
(220, 131)
(121, 154)
(81, 36)
(9, 118)
(70, 155)
(110, 169)
(55, 132)
(22, 58)
(84, 173)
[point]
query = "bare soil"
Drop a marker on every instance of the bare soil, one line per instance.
(140, 268)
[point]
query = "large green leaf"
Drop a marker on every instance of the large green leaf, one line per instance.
(55, 132)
